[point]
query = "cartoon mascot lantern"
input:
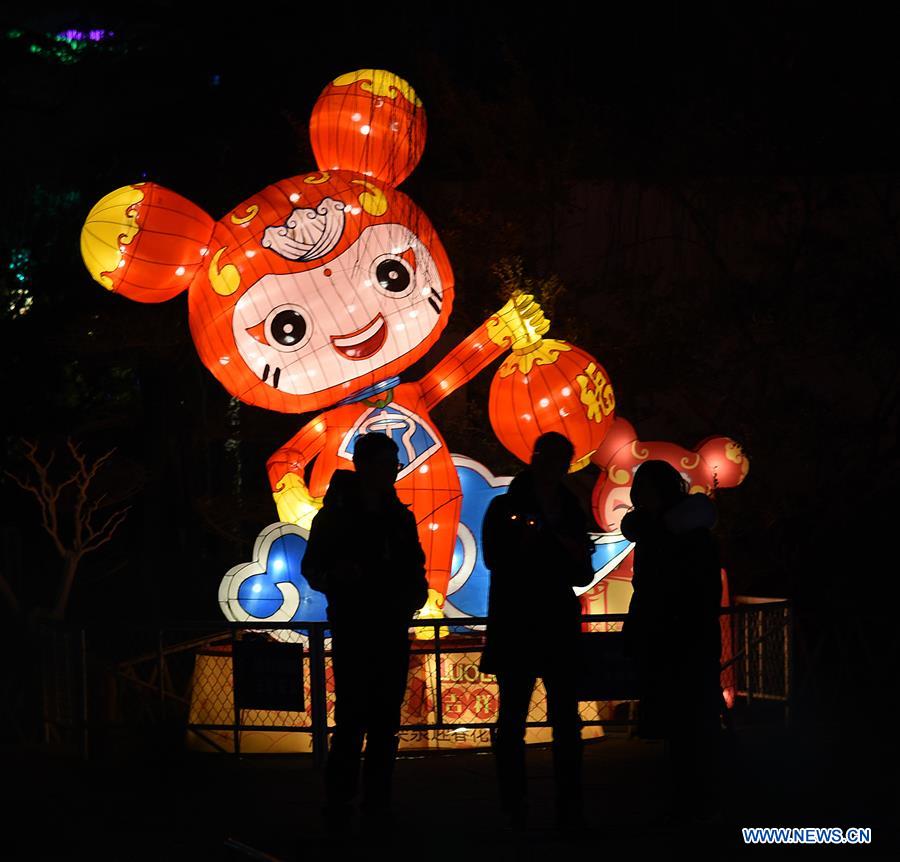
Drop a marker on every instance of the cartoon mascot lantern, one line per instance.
(314, 294)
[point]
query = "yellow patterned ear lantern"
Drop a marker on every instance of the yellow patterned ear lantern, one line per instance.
(145, 242)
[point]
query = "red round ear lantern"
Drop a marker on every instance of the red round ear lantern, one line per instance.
(551, 385)
(145, 242)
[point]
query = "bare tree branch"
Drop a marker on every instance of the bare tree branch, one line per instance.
(48, 514)
(101, 536)
(85, 537)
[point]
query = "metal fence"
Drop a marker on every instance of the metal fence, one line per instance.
(179, 681)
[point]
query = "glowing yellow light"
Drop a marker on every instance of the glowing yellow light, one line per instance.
(294, 502)
(179, 271)
(567, 391)
(544, 402)
(294, 198)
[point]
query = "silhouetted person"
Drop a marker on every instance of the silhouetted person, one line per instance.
(536, 545)
(364, 554)
(672, 629)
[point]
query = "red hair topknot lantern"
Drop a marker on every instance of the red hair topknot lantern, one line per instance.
(370, 122)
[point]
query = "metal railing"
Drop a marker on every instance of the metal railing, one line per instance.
(181, 677)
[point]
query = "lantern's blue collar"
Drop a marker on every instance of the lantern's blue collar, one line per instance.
(369, 391)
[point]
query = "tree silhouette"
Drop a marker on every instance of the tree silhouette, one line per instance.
(79, 504)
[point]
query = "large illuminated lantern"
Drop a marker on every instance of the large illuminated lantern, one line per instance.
(314, 294)
(551, 385)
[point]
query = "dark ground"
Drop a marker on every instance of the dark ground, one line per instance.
(181, 806)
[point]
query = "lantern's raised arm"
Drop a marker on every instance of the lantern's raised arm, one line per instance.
(295, 503)
(518, 324)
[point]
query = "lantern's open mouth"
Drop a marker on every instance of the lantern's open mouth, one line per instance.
(362, 343)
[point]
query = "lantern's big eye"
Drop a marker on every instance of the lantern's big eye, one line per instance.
(286, 328)
(393, 276)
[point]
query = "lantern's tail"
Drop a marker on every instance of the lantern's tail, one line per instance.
(145, 241)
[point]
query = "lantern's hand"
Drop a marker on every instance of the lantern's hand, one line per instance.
(286, 469)
(520, 322)
(431, 610)
(294, 502)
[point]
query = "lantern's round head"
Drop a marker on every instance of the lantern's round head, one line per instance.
(316, 287)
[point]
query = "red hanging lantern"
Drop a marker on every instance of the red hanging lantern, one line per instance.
(551, 385)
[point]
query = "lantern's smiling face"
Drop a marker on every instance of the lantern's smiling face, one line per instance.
(304, 332)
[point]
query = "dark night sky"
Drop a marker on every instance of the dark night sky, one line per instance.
(754, 112)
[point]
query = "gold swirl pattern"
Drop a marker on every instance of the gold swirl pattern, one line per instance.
(544, 352)
(619, 475)
(638, 453)
(110, 226)
(733, 452)
(315, 180)
(380, 83)
(689, 462)
(372, 200)
(252, 210)
(225, 281)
